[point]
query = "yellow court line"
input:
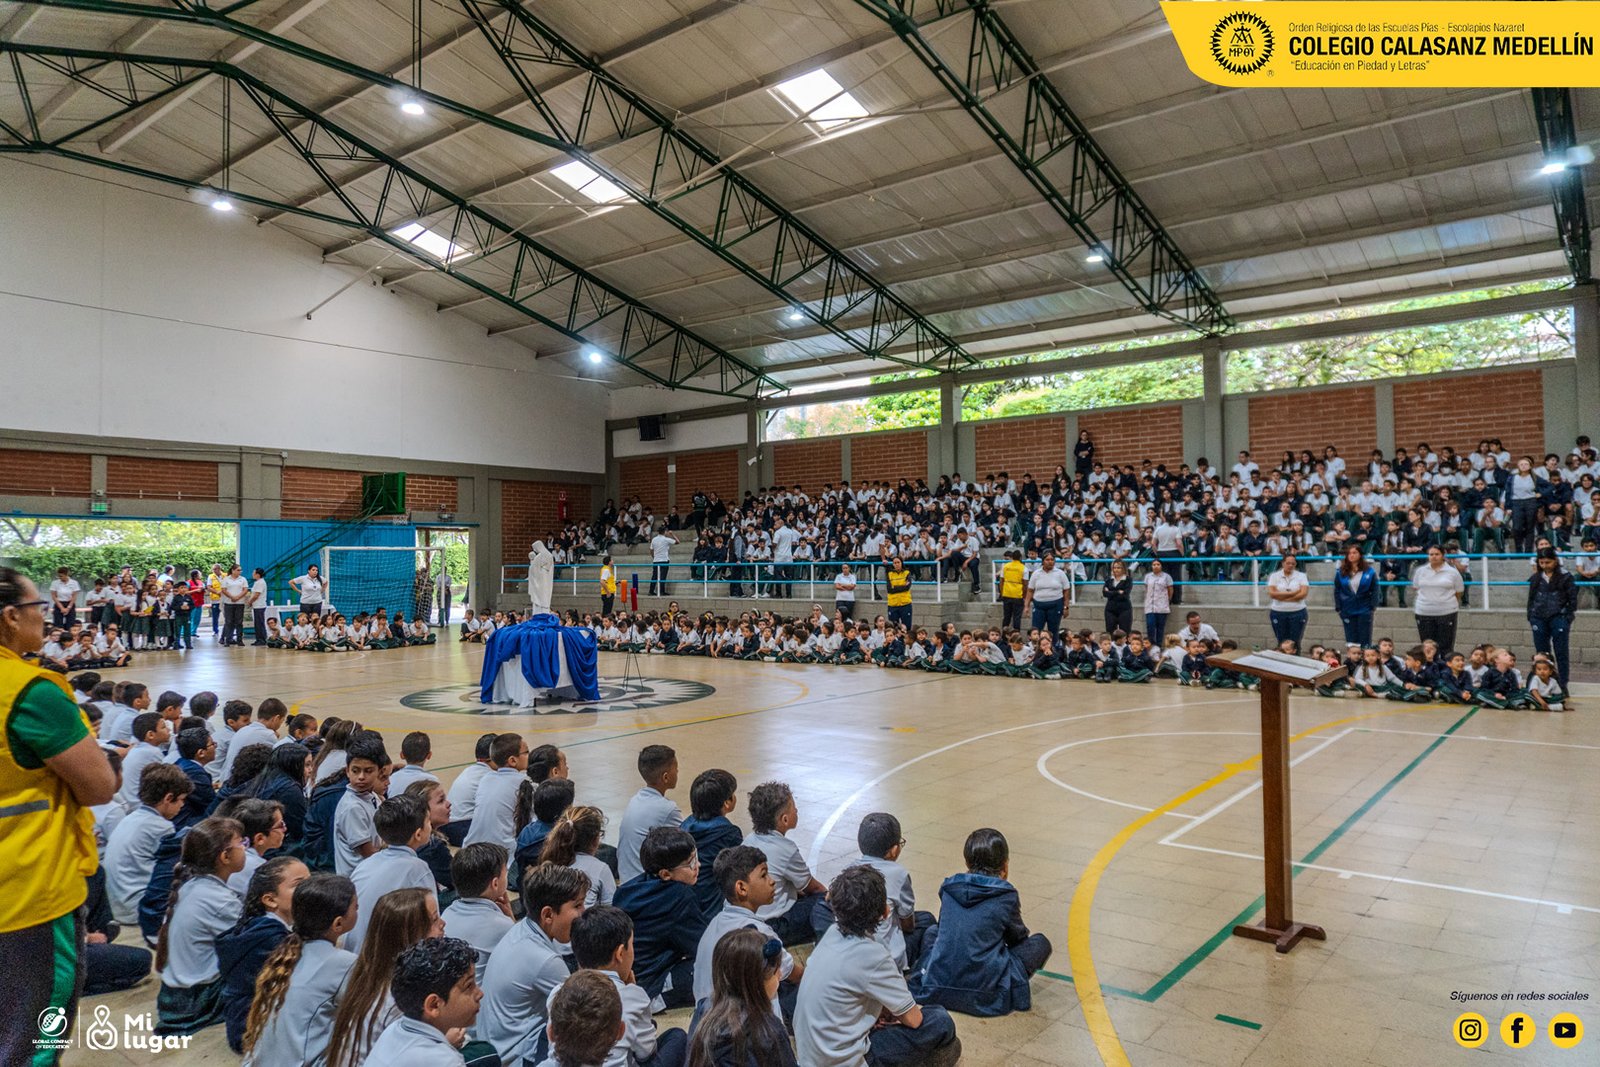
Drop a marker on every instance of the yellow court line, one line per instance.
(1079, 954)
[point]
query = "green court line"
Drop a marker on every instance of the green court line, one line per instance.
(1246, 1023)
(1215, 941)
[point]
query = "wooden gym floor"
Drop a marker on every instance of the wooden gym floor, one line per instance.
(1445, 848)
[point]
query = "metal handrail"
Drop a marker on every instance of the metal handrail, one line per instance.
(707, 574)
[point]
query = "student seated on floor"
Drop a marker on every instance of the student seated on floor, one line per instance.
(902, 933)
(602, 942)
(980, 957)
(298, 987)
(200, 909)
(745, 887)
(528, 965)
(773, 814)
(852, 985)
(736, 1026)
(243, 951)
(711, 798)
(586, 1017)
(435, 990)
(667, 922)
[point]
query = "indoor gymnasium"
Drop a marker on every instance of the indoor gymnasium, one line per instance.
(772, 532)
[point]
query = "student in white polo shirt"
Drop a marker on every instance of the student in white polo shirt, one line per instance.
(494, 816)
(436, 991)
(402, 823)
(463, 794)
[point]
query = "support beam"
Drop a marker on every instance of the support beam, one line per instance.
(749, 230)
(479, 250)
(1552, 109)
(1050, 146)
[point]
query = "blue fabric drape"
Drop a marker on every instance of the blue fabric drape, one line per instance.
(536, 643)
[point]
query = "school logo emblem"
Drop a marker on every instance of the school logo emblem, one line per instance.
(1242, 43)
(52, 1022)
(636, 694)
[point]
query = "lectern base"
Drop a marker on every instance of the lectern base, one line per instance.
(1284, 939)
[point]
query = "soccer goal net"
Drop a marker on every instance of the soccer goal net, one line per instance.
(364, 578)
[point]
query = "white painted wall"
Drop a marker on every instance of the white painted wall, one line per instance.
(116, 302)
(682, 437)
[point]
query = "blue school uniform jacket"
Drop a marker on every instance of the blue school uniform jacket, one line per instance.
(240, 954)
(711, 836)
(1362, 601)
(971, 968)
(667, 925)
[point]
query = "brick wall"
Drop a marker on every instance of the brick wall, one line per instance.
(161, 479)
(1134, 435)
(888, 457)
(1461, 411)
(646, 478)
(529, 510)
(1295, 420)
(432, 492)
(320, 493)
(710, 472)
(26, 472)
(1020, 445)
(809, 463)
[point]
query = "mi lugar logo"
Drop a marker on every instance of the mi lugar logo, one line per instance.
(1242, 43)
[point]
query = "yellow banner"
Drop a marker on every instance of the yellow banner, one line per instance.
(1333, 43)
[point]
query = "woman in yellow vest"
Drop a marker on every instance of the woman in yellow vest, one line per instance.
(1012, 590)
(608, 585)
(51, 771)
(214, 596)
(899, 581)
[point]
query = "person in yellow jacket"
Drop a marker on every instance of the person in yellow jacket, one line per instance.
(214, 596)
(51, 772)
(608, 585)
(898, 580)
(1013, 587)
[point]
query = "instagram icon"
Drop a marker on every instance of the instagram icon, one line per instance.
(1470, 1030)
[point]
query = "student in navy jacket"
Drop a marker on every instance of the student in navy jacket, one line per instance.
(284, 781)
(195, 749)
(665, 909)
(262, 928)
(1355, 596)
(979, 958)
(711, 797)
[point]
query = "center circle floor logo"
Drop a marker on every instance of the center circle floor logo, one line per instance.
(1242, 42)
(615, 695)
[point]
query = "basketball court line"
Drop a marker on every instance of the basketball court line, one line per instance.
(1091, 995)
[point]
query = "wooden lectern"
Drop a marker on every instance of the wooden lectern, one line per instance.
(1278, 673)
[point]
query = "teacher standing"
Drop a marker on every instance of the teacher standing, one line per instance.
(1157, 604)
(1437, 587)
(51, 772)
(313, 591)
(1288, 587)
(1355, 596)
(1118, 591)
(1552, 605)
(844, 593)
(1047, 592)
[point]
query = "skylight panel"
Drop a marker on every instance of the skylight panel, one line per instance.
(436, 245)
(589, 183)
(821, 99)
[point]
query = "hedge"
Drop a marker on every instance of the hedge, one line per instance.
(106, 561)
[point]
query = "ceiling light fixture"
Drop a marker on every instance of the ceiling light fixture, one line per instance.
(796, 315)
(1554, 166)
(413, 106)
(593, 356)
(1095, 257)
(221, 203)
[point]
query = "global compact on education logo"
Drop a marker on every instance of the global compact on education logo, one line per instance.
(1241, 43)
